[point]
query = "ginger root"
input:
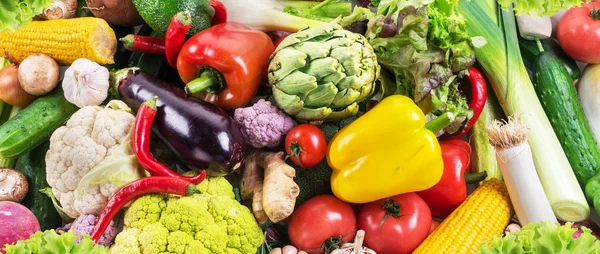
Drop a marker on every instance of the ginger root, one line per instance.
(269, 182)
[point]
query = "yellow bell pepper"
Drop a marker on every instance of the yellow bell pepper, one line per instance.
(386, 152)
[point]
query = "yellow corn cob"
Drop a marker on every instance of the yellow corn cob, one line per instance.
(65, 40)
(481, 217)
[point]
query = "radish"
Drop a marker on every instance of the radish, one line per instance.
(16, 223)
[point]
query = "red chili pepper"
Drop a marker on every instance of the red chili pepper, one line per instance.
(225, 64)
(220, 12)
(180, 24)
(141, 145)
(135, 189)
(478, 97)
(451, 190)
(144, 44)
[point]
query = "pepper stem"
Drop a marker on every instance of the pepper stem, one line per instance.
(391, 209)
(127, 41)
(209, 80)
(151, 103)
(440, 122)
(595, 14)
(191, 190)
(475, 177)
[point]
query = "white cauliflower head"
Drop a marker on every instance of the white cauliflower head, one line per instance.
(91, 158)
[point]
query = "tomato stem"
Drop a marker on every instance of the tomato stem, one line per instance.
(332, 243)
(595, 14)
(391, 209)
(295, 150)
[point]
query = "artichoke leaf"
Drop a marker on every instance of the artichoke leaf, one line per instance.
(349, 58)
(285, 63)
(297, 83)
(344, 98)
(347, 112)
(322, 67)
(322, 96)
(291, 104)
(314, 50)
(316, 114)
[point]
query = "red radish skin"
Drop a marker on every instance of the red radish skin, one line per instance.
(16, 222)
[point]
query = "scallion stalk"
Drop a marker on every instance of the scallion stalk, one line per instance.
(516, 163)
(502, 64)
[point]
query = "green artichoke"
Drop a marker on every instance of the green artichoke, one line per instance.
(320, 74)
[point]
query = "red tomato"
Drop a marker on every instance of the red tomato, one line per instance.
(308, 142)
(396, 235)
(318, 219)
(579, 33)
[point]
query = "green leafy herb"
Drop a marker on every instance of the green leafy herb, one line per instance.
(17, 13)
(423, 45)
(51, 242)
(543, 238)
(540, 7)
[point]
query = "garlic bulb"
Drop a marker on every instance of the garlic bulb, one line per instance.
(86, 83)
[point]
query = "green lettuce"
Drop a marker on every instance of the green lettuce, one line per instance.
(540, 7)
(543, 238)
(424, 48)
(50, 242)
(17, 13)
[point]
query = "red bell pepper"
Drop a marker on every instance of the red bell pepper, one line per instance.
(451, 190)
(225, 64)
(478, 97)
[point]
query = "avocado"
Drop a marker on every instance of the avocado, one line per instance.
(158, 13)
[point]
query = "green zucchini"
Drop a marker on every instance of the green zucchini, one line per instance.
(33, 166)
(34, 124)
(530, 51)
(559, 99)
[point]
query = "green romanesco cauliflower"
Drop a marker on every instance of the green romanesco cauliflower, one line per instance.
(211, 222)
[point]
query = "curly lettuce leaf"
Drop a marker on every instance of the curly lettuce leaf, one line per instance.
(51, 242)
(540, 7)
(543, 238)
(423, 45)
(17, 13)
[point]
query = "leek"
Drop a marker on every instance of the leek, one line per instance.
(483, 157)
(502, 63)
(269, 15)
(523, 185)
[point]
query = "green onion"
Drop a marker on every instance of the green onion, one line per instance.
(502, 63)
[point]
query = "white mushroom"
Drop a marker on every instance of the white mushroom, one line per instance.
(13, 185)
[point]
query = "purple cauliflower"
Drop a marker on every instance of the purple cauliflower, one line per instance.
(84, 224)
(262, 124)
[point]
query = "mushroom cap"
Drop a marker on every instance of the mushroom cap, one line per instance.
(13, 185)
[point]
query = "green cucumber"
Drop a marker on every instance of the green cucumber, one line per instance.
(530, 51)
(559, 99)
(33, 166)
(34, 124)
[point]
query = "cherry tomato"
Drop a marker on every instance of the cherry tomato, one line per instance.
(406, 225)
(305, 144)
(319, 219)
(578, 32)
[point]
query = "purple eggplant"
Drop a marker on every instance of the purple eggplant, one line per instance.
(202, 135)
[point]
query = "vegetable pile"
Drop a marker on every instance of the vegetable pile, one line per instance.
(299, 126)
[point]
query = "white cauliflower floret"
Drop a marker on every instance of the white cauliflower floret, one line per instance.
(94, 146)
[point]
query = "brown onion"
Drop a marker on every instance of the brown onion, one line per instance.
(11, 91)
